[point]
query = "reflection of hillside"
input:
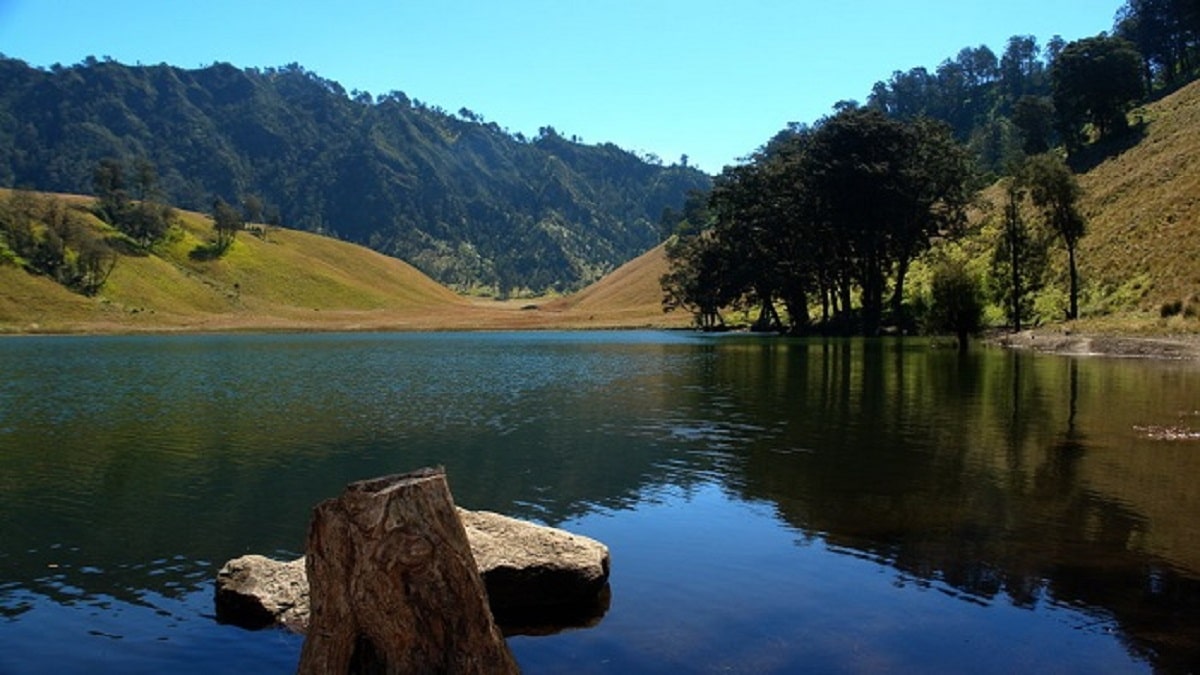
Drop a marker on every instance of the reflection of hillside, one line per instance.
(996, 475)
(205, 448)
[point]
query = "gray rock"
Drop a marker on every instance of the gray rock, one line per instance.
(254, 591)
(536, 577)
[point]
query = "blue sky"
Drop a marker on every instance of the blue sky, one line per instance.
(713, 79)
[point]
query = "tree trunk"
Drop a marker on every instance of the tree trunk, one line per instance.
(1073, 312)
(393, 585)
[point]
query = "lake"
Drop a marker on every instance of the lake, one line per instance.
(771, 505)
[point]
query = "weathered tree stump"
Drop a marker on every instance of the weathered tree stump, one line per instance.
(393, 585)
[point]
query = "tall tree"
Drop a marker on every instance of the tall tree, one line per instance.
(1018, 261)
(111, 188)
(1055, 191)
(1096, 80)
(885, 188)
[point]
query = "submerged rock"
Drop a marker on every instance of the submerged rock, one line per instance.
(538, 579)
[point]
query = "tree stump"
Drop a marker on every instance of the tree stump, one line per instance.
(393, 585)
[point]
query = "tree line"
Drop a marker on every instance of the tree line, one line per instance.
(462, 199)
(825, 221)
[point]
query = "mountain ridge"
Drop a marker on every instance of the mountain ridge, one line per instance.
(463, 200)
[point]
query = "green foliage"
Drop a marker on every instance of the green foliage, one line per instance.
(144, 221)
(1054, 190)
(1019, 260)
(47, 237)
(227, 222)
(956, 303)
(822, 214)
(1096, 81)
(462, 199)
(1167, 33)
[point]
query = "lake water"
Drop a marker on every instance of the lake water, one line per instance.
(772, 506)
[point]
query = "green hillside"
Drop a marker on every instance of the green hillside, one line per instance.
(289, 279)
(464, 200)
(292, 280)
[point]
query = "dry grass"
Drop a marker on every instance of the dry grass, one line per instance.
(1142, 252)
(1143, 209)
(300, 281)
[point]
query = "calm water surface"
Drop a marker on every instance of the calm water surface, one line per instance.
(771, 506)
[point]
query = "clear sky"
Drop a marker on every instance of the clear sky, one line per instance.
(713, 79)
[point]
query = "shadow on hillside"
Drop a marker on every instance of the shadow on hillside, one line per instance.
(126, 246)
(208, 252)
(1091, 156)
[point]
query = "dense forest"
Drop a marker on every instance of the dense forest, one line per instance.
(825, 221)
(465, 201)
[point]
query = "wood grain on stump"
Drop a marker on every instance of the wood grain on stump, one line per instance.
(393, 585)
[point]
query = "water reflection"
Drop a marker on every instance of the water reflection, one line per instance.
(1035, 486)
(131, 467)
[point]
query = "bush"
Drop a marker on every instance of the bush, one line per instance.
(956, 304)
(1169, 309)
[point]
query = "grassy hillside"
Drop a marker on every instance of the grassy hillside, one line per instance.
(292, 280)
(1140, 253)
(1142, 246)
(466, 202)
(1143, 205)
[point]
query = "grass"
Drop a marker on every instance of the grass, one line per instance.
(291, 280)
(1139, 256)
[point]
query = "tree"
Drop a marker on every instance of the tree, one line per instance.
(1034, 118)
(227, 221)
(1167, 33)
(1096, 80)
(110, 187)
(1018, 261)
(252, 208)
(1055, 191)
(695, 280)
(956, 306)
(884, 189)
(145, 221)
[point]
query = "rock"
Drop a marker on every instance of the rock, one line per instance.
(254, 591)
(525, 565)
(538, 579)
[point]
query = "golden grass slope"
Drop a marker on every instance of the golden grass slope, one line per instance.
(1143, 207)
(1142, 250)
(289, 280)
(292, 280)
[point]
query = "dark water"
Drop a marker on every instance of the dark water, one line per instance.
(771, 506)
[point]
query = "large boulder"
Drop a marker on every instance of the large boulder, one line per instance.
(538, 579)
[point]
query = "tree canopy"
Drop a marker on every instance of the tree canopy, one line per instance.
(462, 199)
(1096, 81)
(821, 213)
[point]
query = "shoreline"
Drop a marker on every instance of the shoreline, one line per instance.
(1068, 342)
(1053, 339)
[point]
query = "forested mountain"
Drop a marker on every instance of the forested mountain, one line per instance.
(460, 198)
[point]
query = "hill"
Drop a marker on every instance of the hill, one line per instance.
(293, 280)
(1141, 252)
(1143, 206)
(458, 197)
(1141, 201)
